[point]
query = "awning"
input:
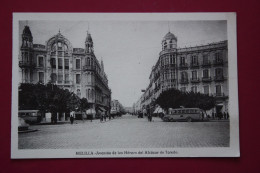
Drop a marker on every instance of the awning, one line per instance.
(90, 111)
(158, 110)
(101, 109)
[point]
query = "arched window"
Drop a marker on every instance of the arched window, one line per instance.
(165, 45)
(88, 61)
(91, 63)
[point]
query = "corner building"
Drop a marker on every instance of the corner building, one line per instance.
(75, 69)
(201, 69)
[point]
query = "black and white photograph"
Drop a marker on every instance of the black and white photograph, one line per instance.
(98, 85)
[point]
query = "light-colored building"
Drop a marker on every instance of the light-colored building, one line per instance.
(201, 69)
(75, 69)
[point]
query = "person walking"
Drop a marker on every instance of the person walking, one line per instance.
(225, 116)
(144, 112)
(72, 116)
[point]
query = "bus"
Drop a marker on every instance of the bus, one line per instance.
(183, 114)
(30, 116)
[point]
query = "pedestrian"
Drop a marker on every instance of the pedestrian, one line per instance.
(212, 115)
(101, 118)
(225, 115)
(105, 117)
(144, 112)
(72, 115)
(91, 117)
(202, 116)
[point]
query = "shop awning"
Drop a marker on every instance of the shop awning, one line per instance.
(101, 109)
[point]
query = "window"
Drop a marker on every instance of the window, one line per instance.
(206, 89)
(78, 78)
(88, 61)
(182, 60)
(53, 62)
(40, 61)
(165, 45)
(53, 77)
(60, 63)
(218, 89)
(41, 77)
(184, 75)
(66, 62)
(218, 57)
(60, 78)
(194, 74)
(67, 78)
(77, 63)
(205, 59)
(219, 72)
(206, 73)
(194, 60)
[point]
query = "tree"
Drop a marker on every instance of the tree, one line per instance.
(174, 98)
(48, 98)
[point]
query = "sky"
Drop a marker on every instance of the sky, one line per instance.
(129, 49)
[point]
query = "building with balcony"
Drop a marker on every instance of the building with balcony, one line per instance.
(75, 69)
(201, 69)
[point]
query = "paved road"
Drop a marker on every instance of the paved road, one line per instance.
(127, 132)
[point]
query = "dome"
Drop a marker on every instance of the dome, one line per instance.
(169, 36)
(27, 31)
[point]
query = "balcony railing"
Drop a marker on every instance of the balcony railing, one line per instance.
(183, 66)
(28, 64)
(219, 78)
(184, 81)
(218, 62)
(206, 64)
(194, 80)
(88, 67)
(194, 65)
(220, 95)
(206, 79)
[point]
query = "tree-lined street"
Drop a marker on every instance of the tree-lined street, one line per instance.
(126, 132)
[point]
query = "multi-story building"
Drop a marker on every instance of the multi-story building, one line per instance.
(201, 69)
(116, 107)
(75, 69)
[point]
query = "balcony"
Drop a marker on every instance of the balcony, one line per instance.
(206, 64)
(206, 79)
(218, 63)
(194, 65)
(88, 67)
(194, 80)
(219, 78)
(184, 81)
(26, 64)
(220, 95)
(183, 66)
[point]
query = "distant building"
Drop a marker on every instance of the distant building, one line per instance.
(75, 69)
(116, 107)
(201, 69)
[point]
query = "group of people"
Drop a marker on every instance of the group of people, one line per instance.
(149, 115)
(104, 117)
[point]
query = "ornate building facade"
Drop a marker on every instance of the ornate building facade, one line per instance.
(201, 69)
(75, 69)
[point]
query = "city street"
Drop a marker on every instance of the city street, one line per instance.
(126, 132)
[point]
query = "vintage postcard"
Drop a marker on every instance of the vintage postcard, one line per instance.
(124, 85)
